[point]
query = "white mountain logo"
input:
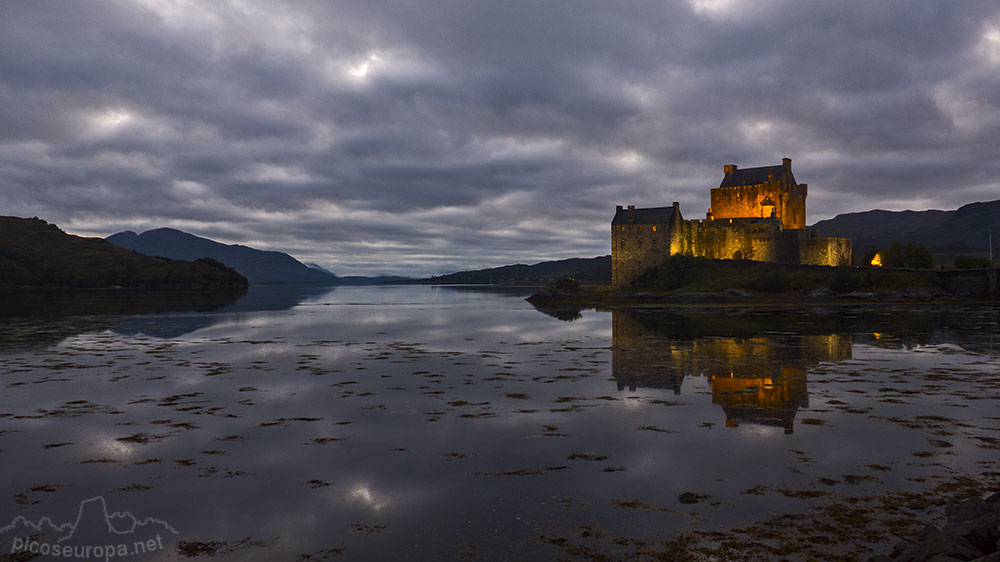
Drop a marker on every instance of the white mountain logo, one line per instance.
(94, 533)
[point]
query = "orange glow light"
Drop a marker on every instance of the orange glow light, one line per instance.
(877, 260)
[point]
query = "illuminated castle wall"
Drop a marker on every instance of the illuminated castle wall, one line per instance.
(756, 214)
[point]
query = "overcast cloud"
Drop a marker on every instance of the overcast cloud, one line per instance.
(427, 136)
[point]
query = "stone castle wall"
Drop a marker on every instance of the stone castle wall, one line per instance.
(978, 283)
(825, 251)
(728, 239)
(636, 248)
(746, 202)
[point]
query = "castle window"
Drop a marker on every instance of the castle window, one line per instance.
(654, 241)
(640, 242)
(623, 229)
(654, 228)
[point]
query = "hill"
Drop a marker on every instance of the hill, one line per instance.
(34, 253)
(319, 267)
(947, 234)
(374, 280)
(359, 279)
(258, 266)
(583, 269)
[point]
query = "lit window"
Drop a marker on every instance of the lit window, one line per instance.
(654, 228)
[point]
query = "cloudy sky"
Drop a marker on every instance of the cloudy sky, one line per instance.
(427, 136)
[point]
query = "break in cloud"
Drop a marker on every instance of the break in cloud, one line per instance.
(427, 136)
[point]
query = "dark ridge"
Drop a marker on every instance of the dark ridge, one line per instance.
(34, 253)
(583, 269)
(258, 266)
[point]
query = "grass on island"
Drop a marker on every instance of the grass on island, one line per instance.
(687, 274)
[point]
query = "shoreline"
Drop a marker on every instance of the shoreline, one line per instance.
(685, 280)
(730, 297)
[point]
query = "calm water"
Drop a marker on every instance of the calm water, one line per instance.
(418, 423)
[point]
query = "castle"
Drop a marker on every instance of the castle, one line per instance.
(756, 214)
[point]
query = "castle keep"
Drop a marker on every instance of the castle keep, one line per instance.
(756, 214)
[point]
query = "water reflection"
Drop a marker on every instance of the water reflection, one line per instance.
(755, 377)
(258, 298)
(762, 400)
(41, 318)
(393, 423)
(61, 303)
(564, 312)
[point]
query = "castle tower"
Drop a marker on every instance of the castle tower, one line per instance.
(763, 192)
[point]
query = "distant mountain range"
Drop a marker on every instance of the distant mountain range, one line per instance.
(376, 280)
(319, 267)
(947, 234)
(359, 279)
(34, 253)
(582, 269)
(262, 267)
(259, 266)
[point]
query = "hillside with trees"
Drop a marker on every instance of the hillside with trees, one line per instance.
(34, 253)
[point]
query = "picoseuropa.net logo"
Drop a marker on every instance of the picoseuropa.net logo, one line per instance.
(94, 535)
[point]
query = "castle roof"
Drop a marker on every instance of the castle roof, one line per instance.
(651, 215)
(755, 176)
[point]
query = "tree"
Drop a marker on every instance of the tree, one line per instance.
(910, 255)
(567, 285)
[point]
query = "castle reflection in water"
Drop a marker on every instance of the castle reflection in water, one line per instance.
(757, 371)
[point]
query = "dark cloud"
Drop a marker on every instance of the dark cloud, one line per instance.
(424, 137)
